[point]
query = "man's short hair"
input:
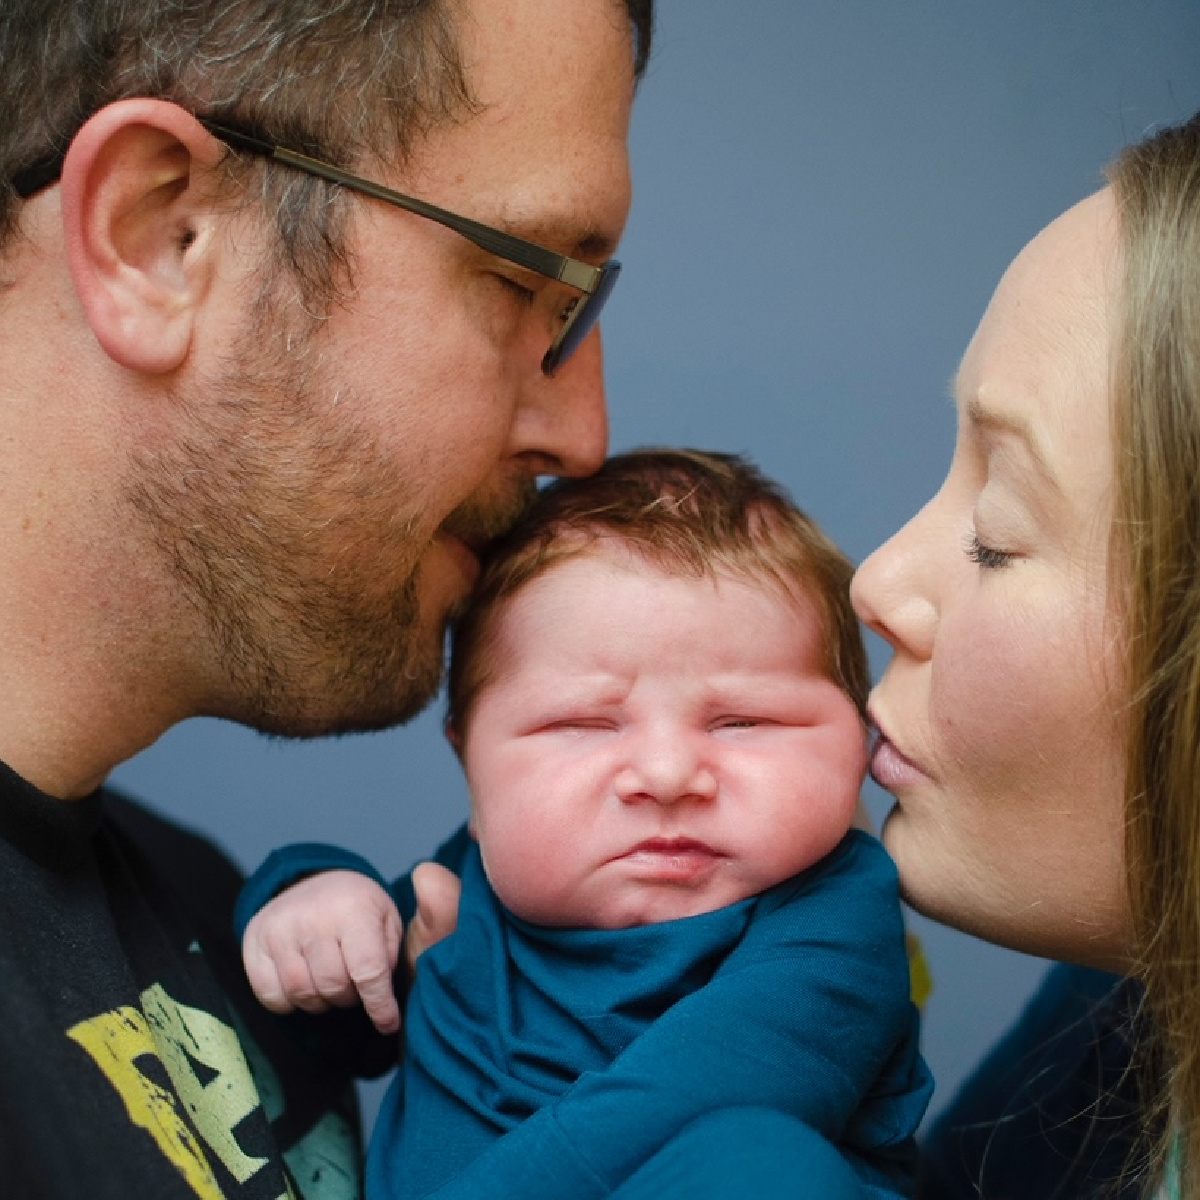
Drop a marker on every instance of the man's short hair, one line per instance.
(688, 513)
(341, 80)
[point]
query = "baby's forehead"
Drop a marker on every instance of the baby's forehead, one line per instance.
(554, 627)
(622, 559)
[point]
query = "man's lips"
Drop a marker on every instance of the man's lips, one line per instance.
(479, 522)
(463, 555)
(467, 532)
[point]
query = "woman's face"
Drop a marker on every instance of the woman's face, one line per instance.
(1000, 733)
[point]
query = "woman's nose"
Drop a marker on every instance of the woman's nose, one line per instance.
(665, 768)
(894, 591)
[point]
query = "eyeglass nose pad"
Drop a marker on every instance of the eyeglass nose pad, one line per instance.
(581, 319)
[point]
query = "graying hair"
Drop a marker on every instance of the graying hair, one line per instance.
(337, 79)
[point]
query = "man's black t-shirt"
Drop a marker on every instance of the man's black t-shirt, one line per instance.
(134, 1062)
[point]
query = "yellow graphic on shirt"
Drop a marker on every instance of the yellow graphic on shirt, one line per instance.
(116, 1040)
(183, 1039)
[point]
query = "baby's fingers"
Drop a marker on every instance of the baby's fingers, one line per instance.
(370, 954)
(281, 977)
(330, 983)
(264, 979)
(289, 970)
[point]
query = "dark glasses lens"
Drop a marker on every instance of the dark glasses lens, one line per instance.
(581, 319)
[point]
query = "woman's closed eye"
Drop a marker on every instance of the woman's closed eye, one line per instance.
(986, 556)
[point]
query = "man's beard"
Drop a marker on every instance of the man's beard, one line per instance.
(286, 528)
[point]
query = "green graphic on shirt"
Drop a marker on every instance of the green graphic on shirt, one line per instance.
(204, 1060)
(325, 1163)
(187, 1036)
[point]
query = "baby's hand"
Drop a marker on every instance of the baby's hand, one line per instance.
(331, 939)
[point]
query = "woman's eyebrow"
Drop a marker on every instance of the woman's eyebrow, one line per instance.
(984, 417)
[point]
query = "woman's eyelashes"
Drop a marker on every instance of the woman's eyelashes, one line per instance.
(986, 556)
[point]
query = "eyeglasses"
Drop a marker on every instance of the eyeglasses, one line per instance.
(595, 283)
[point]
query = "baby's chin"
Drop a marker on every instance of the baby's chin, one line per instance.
(649, 885)
(660, 905)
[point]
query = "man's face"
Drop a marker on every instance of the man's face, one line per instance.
(649, 747)
(330, 481)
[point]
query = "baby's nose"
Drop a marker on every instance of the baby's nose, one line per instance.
(666, 769)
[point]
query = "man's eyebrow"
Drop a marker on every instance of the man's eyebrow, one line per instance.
(563, 235)
(595, 245)
(980, 414)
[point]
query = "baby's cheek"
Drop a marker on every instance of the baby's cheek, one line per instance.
(524, 873)
(813, 823)
(843, 765)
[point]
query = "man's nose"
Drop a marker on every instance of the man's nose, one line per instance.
(561, 424)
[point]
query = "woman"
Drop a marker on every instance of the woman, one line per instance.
(1040, 722)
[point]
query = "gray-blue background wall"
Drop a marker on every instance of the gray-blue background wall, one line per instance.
(826, 193)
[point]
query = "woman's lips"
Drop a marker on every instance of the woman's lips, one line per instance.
(891, 769)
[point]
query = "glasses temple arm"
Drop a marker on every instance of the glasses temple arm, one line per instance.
(545, 262)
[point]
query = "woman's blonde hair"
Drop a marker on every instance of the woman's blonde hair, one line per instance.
(1156, 574)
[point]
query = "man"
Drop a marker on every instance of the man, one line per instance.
(254, 425)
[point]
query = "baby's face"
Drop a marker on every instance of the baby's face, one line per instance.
(651, 747)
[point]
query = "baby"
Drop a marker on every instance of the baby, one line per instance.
(657, 695)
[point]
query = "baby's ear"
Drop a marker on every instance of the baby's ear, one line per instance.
(453, 736)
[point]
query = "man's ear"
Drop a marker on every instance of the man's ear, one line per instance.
(139, 218)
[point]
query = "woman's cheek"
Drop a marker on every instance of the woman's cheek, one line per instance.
(1011, 689)
(983, 706)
